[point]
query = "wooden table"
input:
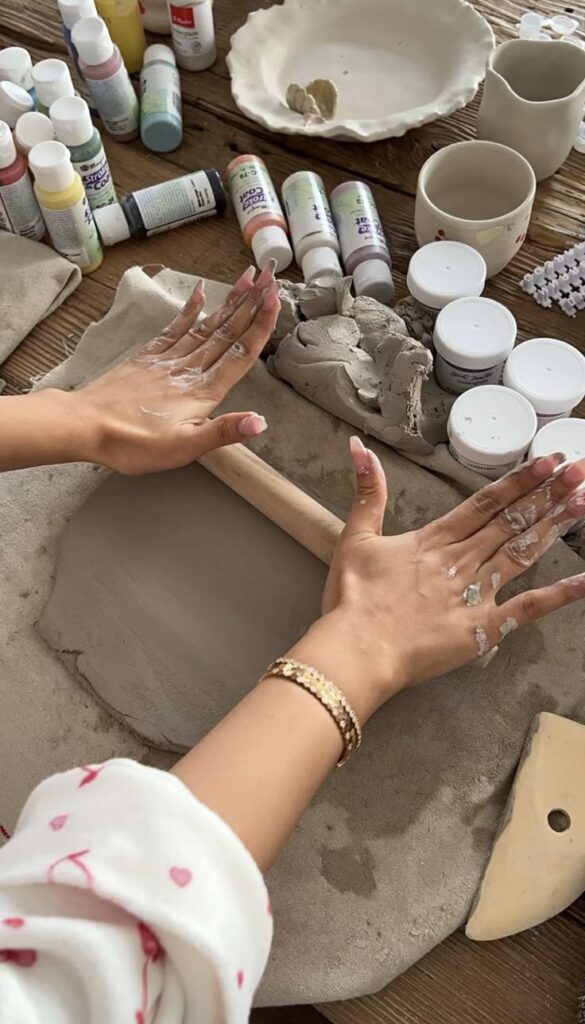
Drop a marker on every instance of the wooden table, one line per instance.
(534, 977)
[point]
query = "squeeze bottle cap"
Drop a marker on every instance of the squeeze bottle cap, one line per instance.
(51, 165)
(111, 224)
(72, 10)
(7, 147)
(52, 80)
(16, 66)
(373, 278)
(14, 101)
(475, 333)
(492, 422)
(441, 272)
(272, 244)
(72, 120)
(158, 51)
(566, 435)
(550, 373)
(92, 41)
(320, 262)
(32, 128)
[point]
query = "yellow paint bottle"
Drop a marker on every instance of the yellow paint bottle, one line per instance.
(125, 27)
(64, 206)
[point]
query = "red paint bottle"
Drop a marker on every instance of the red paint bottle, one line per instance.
(19, 211)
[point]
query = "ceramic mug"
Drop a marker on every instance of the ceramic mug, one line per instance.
(480, 193)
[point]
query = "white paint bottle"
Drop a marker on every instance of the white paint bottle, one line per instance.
(441, 272)
(14, 102)
(490, 429)
(473, 337)
(315, 242)
(193, 33)
(550, 374)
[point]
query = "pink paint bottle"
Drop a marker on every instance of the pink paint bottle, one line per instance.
(258, 211)
(19, 211)
(107, 78)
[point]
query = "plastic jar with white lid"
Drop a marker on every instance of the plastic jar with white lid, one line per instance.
(473, 337)
(490, 429)
(562, 435)
(441, 272)
(550, 374)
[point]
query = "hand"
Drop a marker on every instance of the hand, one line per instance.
(401, 610)
(152, 410)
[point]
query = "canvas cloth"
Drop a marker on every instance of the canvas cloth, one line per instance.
(386, 861)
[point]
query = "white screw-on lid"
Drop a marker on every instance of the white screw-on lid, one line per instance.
(51, 165)
(72, 120)
(111, 224)
(7, 147)
(32, 128)
(72, 10)
(92, 41)
(550, 373)
(14, 102)
(492, 424)
(531, 23)
(16, 66)
(373, 278)
(441, 272)
(320, 262)
(158, 51)
(475, 333)
(272, 244)
(566, 436)
(52, 80)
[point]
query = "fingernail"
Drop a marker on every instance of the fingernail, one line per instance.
(195, 296)
(271, 297)
(245, 281)
(252, 425)
(266, 276)
(542, 468)
(360, 455)
(575, 474)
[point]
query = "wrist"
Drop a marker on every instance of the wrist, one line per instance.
(77, 425)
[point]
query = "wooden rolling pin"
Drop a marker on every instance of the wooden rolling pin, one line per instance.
(277, 498)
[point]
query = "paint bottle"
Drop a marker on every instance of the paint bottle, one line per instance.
(64, 206)
(71, 12)
(16, 67)
(107, 78)
(14, 102)
(490, 429)
(52, 81)
(258, 211)
(442, 272)
(126, 30)
(562, 435)
(150, 211)
(155, 16)
(364, 248)
(473, 338)
(315, 242)
(161, 123)
(74, 128)
(193, 33)
(550, 374)
(30, 129)
(19, 210)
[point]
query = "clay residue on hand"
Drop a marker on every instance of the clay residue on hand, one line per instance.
(472, 595)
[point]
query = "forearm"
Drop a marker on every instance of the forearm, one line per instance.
(44, 428)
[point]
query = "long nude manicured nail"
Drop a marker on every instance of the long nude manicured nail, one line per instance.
(252, 425)
(266, 276)
(244, 282)
(544, 467)
(271, 297)
(360, 455)
(195, 297)
(575, 474)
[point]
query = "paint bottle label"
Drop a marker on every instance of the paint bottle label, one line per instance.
(357, 221)
(192, 28)
(308, 210)
(160, 90)
(491, 471)
(74, 234)
(117, 102)
(252, 192)
(97, 180)
(19, 210)
(173, 203)
(457, 379)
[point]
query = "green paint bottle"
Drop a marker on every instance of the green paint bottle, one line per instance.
(73, 127)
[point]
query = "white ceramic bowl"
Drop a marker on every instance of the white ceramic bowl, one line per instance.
(396, 64)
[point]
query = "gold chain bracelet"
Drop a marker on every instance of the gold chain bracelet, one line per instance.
(329, 696)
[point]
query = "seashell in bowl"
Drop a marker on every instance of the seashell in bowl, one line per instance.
(395, 64)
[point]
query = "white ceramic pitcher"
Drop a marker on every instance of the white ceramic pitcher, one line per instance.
(533, 100)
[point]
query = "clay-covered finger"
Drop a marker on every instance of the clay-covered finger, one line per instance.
(199, 331)
(524, 550)
(535, 604)
(241, 356)
(229, 332)
(180, 325)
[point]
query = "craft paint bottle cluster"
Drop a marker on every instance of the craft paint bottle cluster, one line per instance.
(150, 211)
(364, 248)
(64, 206)
(442, 272)
(193, 33)
(71, 12)
(491, 429)
(161, 122)
(550, 374)
(126, 30)
(259, 211)
(14, 102)
(473, 338)
(52, 81)
(315, 242)
(16, 66)
(19, 209)
(107, 78)
(74, 128)
(30, 129)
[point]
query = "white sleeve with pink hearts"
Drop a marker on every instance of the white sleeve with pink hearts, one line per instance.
(123, 899)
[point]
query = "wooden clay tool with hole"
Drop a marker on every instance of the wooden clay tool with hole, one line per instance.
(299, 515)
(537, 865)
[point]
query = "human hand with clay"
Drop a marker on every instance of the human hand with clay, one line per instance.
(151, 412)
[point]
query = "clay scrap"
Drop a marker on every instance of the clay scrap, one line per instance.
(317, 99)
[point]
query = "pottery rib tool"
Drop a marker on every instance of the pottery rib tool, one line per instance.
(537, 865)
(299, 515)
